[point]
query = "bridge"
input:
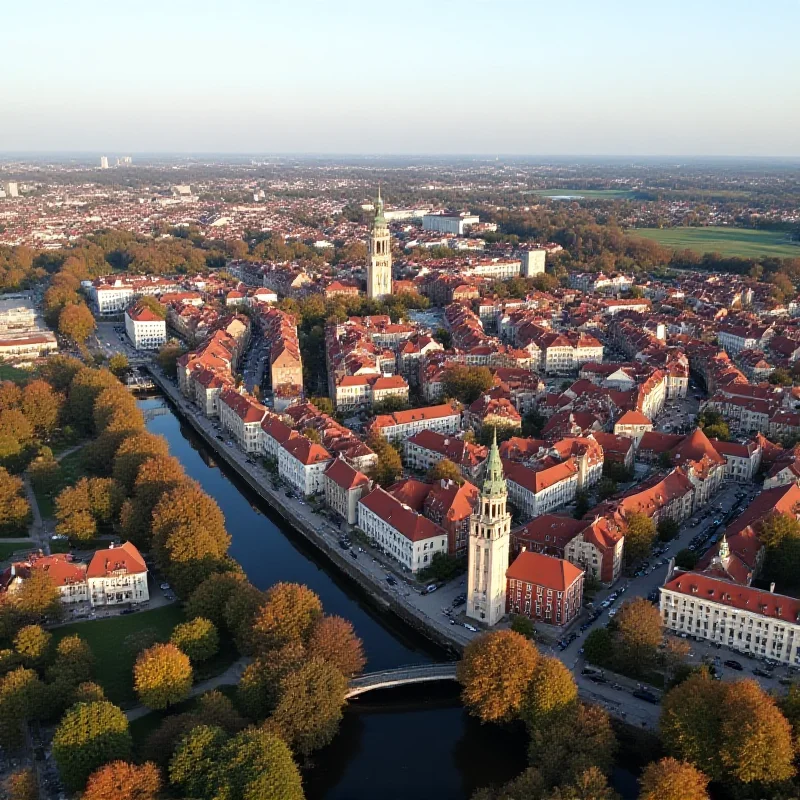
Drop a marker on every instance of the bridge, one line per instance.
(402, 676)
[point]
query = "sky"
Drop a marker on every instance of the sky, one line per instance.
(497, 77)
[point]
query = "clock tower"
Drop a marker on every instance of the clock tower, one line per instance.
(379, 269)
(489, 534)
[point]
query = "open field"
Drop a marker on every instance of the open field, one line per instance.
(71, 471)
(7, 548)
(114, 656)
(9, 373)
(742, 242)
(588, 194)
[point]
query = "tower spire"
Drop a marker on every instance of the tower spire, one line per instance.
(494, 483)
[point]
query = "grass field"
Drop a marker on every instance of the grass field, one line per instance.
(71, 472)
(589, 194)
(114, 656)
(742, 242)
(9, 373)
(7, 548)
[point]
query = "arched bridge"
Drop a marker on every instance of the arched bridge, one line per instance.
(402, 676)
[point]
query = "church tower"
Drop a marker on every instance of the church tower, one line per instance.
(379, 270)
(489, 534)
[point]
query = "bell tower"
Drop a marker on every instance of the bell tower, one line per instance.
(489, 534)
(379, 269)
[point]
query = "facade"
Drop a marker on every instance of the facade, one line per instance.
(117, 575)
(742, 461)
(302, 463)
(344, 487)
(544, 588)
(379, 269)
(534, 492)
(400, 425)
(146, 330)
(533, 261)
(489, 539)
(241, 416)
(427, 448)
(449, 223)
(753, 621)
(633, 425)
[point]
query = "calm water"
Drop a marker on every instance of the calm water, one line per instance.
(408, 743)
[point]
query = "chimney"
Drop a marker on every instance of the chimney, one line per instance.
(772, 588)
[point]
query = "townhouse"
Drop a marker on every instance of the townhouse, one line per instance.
(344, 487)
(535, 492)
(400, 425)
(241, 415)
(427, 448)
(742, 461)
(302, 464)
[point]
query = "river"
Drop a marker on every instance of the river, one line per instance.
(417, 742)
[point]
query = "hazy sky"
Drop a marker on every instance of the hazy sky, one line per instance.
(707, 77)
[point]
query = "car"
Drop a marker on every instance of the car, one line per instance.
(761, 673)
(470, 627)
(431, 587)
(165, 587)
(126, 611)
(598, 679)
(391, 581)
(612, 612)
(452, 621)
(647, 696)
(354, 555)
(733, 664)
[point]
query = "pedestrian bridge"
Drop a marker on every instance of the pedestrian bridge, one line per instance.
(402, 676)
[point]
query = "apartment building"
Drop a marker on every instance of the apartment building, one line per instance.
(538, 491)
(146, 330)
(302, 463)
(427, 448)
(241, 416)
(344, 487)
(400, 425)
(544, 588)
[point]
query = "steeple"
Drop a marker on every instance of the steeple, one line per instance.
(724, 551)
(379, 269)
(379, 218)
(494, 482)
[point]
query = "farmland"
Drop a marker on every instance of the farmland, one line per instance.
(742, 242)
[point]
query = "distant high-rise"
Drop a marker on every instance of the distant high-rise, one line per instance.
(379, 269)
(103, 162)
(11, 189)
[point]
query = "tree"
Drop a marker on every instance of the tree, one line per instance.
(598, 648)
(193, 767)
(163, 741)
(45, 474)
(41, 406)
(189, 536)
(118, 364)
(38, 598)
(523, 626)
(210, 597)
(74, 661)
(59, 371)
(686, 559)
(551, 690)
(88, 736)
(134, 451)
(606, 487)
(159, 309)
(22, 785)
(639, 631)
(162, 676)
(776, 527)
(334, 640)
(124, 781)
(667, 529)
(639, 537)
(241, 609)
(780, 377)
(33, 643)
(389, 467)
(494, 671)
(309, 707)
(14, 508)
(115, 409)
(445, 470)
(582, 504)
(670, 779)
(198, 638)
(287, 615)
(81, 507)
(88, 692)
(214, 708)
(577, 740)
(168, 356)
(20, 700)
(76, 322)
(83, 391)
(466, 384)
(591, 784)
(713, 424)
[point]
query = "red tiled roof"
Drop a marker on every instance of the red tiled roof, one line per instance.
(536, 568)
(125, 558)
(413, 526)
(342, 474)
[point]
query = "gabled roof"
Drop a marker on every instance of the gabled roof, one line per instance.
(343, 475)
(125, 558)
(536, 568)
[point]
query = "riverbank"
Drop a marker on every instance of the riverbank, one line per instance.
(311, 530)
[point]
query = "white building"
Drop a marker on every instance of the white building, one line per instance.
(449, 223)
(17, 312)
(406, 536)
(488, 549)
(535, 492)
(11, 189)
(146, 330)
(400, 425)
(753, 621)
(117, 575)
(533, 261)
(112, 298)
(103, 162)
(302, 463)
(241, 416)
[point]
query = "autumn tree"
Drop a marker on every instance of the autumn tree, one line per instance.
(162, 676)
(20, 700)
(198, 638)
(133, 452)
(76, 322)
(309, 706)
(639, 632)
(241, 610)
(494, 673)
(124, 781)
(84, 506)
(74, 661)
(215, 708)
(115, 408)
(210, 597)
(45, 474)
(41, 405)
(287, 615)
(639, 536)
(88, 692)
(88, 736)
(118, 364)
(670, 779)
(334, 640)
(390, 466)
(59, 371)
(189, 536)
(445, 470)
(168, 356)
(466, 384)
(22, 785)
(38, 598)
(32, 642)
(551, 690)
(14, 508)
(591, 784)
(84, 389)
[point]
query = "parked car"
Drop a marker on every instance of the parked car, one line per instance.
(470, 627)
(647, 696)
(165, 587)
(733, 664)
(431, 587)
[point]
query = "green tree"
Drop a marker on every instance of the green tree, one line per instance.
(523, 626)
(686, 559)
(582, 504)
(210, 597)
(445, 470)
(639, 536)
(389, 467)
(162, 676)
(670, 779)
(466, 384)
(76, 322)
(168, 356)
(74, 661)
(241, 610)
(287, 615)
(551, 690)
(84, 389)
(118, 364)
(88, 736)
(606, 488)
(20, 700)
(494, 672)
(198, 638)
(640, 631)
(334, 640)
(193, 768)
(713, 424)
(14, 508)
(780, 377)
(598, 648)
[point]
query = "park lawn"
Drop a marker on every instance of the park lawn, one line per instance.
(742, 242)
(588, 194)
(7, 548)
(113, 657)
(71, 472)
(9, 373)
